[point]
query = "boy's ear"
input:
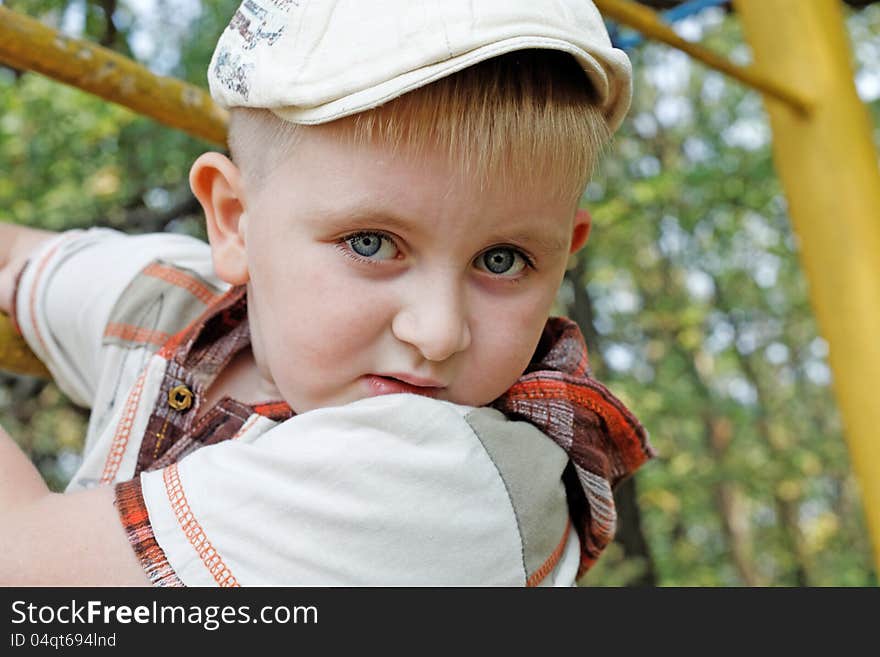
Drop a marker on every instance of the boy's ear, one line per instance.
(581, 231)
(216, 183)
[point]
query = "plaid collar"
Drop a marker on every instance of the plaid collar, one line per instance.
(603, 439)
(557, 393)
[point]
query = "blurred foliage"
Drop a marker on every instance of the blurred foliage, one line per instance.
(690, 292)
(703, 325)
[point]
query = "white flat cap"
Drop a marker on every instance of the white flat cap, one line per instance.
(313, 61)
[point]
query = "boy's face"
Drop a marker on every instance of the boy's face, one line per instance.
(362, 267)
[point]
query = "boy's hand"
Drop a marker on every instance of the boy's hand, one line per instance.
(60, 540)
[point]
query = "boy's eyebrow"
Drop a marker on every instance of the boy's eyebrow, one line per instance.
(364, 217)
(546, 244)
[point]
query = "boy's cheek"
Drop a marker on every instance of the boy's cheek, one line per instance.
(324, 323)
(521, 312)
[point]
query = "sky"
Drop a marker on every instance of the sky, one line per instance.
(157, 28)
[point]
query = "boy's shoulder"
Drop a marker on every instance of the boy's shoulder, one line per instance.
(511, 453)
(162, 299)
(165, 295)
(409, 490)
(478, 443)
(86, 289)
(517, 451)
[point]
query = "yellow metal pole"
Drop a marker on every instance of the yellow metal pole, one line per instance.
(15, 355)
(648, 22)
(27, 44)
(828, 166)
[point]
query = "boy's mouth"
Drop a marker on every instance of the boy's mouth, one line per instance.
(381, 384)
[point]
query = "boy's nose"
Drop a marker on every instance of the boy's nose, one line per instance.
(435, 322)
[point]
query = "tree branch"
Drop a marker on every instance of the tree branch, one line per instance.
(110, 32)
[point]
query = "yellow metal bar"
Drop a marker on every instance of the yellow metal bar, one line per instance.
(828, 166)
(15, 355)
(648, 22)
(27, 44)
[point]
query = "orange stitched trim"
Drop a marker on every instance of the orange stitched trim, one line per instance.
(123, 431)
(131, 333)
(32, 301)
(193, 530)
(542, 572)
(182, 280)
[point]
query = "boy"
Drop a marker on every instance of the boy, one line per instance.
(357, 383)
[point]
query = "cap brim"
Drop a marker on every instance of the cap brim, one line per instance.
(605, 68)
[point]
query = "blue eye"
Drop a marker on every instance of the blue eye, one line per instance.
(366, 245)
(374, 246)
(503, 260)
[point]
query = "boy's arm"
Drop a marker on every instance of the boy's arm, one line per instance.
(16, 245)
(59, 540)
(47, 538)
(67, 293)
(77, 538)
(390, 490)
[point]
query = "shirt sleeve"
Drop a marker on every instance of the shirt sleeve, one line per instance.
(68, 288)
(389, 490)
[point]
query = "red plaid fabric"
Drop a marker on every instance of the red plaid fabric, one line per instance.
(604, 441)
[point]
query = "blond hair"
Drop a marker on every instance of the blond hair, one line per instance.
(506, 120)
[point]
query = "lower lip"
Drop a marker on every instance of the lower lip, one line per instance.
(382, 386)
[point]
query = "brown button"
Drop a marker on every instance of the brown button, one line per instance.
(180, 398)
